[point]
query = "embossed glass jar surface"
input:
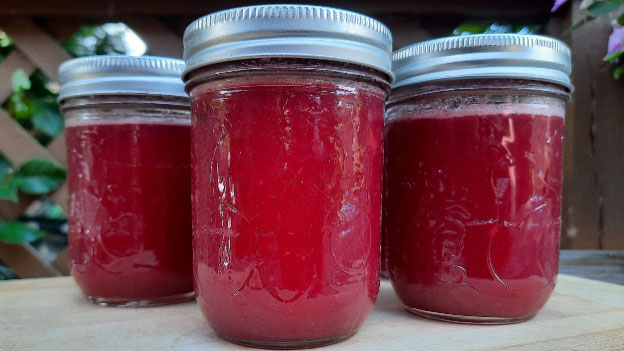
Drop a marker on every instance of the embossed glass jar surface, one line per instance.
(287, 169)
(287, 106)
(472, 197)
(128, 155)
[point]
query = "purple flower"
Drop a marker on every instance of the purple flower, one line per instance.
(616, 40)
(558, 4)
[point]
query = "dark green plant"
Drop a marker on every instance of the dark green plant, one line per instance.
(34, 106)
(36, 177)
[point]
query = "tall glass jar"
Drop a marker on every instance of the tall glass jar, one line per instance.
(129, 170)
(287, 168)
(473, 175)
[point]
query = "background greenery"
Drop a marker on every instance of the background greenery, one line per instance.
(469, 28)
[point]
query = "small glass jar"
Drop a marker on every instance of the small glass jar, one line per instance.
(287, 167)
(128, 145)
(473, 175)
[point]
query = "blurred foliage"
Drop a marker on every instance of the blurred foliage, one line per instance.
(37, 177)
(33, 104)
(54, 211)
(96, 40)
(6, 45)
(8, 192)
(470, 28)
(14, 232)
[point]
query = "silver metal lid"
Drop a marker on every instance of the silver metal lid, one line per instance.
(292, 31)
(483, 56)
(119, 74)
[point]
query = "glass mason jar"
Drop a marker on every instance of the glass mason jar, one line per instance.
(473, 174)
(129, 172)
(287, 171)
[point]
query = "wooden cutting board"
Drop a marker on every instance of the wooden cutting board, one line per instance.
(51, 314)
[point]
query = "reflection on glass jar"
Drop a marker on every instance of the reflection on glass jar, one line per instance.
(473, 176)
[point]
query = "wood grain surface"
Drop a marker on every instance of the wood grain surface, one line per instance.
(51, 314)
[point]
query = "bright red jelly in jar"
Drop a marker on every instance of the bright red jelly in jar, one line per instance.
(130, 208)
(287, 203)
(287, 170)
(473, 170)
(473, 211)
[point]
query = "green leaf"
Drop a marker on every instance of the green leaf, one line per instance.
(601, 8)
(579, 24)
(619, 72)
(5, 167)
(620, 20)
(8, 191)
(20, 107)
(39, 176)
(613, 56)
(46, 118)
(5, 41)
(20, 80)
(470, 28)
(13, 232)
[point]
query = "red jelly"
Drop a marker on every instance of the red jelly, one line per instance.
(459, 207)
(128, 135)
(472, 187)
(130, 209)
(287, 206)
(287, 180)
